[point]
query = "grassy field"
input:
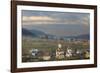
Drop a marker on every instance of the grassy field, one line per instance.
(48, 45)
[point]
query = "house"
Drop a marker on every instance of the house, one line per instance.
(59, 52)
(46, 55)
(34, 51)
(68, 52)
(87, 54)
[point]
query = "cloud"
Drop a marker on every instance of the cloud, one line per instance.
(86, 20)
(37, 18)
(33, 20)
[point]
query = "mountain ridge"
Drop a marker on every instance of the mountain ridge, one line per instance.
(38, 33)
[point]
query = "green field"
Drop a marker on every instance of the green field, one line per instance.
(49, 45)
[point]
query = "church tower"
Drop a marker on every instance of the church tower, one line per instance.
(59, 52)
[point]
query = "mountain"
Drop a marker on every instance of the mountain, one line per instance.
(26, 32)
(60, 29)
(37, 32)
(32, 32)
(84, 36)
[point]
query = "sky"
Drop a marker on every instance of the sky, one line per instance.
(56, 23)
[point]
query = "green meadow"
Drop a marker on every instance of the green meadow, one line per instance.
(48, 45)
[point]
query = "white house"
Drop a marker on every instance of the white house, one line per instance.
(69, 52)
(34, 51)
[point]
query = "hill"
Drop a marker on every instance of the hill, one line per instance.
(32, 33)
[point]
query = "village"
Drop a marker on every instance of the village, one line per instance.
(59, 54)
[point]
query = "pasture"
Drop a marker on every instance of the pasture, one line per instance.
(50, 46)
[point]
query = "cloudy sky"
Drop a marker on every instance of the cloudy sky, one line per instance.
(59, 23)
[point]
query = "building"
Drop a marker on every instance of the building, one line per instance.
(59, 52)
